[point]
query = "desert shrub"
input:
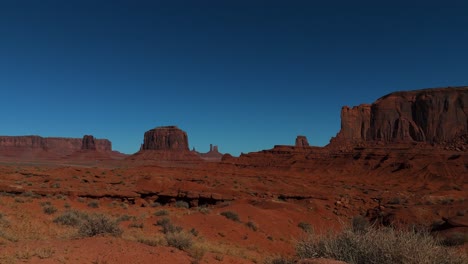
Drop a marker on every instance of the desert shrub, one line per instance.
(281, 260)
(161, 213)
(167, 226)
(194, 232)
(204, 210)
(46, 203)
(180, 240)
(125, 217)
(359, 224)
(154, 242)
(135, 225)
(49, 209)
(231, 215)
(305, 226)
(93, 204)
(71, 218)
(182, 204)
(252, 225)
(455, 239)
(99, 224)
(394, 200)
(382, 246)
(155, 204)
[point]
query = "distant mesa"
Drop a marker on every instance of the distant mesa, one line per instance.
(212, 155)
(165, 138)
(301, 142)
(166, 143)
(40, 148)
(434, 116)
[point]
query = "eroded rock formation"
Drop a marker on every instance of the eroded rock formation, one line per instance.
(212, 155)
(301, 142)
(433, 116)
(88, 143)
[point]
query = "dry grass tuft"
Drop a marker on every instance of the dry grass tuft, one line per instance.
(379, 246)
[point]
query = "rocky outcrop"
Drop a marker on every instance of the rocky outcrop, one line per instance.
(301, 142)
(433, 116)
(212, 155)
(165, 138)
(88, 143)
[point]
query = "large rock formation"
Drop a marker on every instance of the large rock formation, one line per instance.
(434, 116)
(37, 147)
(167, 143)
(53, 144)
(165, 138)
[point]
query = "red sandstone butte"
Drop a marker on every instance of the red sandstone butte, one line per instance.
(165, 143)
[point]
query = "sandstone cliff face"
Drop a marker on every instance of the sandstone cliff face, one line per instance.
(165, 138)
(59, 146)
(434, 116)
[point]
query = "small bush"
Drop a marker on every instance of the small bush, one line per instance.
(252, 225)
(281, 260)
(135, 225)
(180, 240)
(161, 213)
(99, 224)
(455, 239)
(154, 242)
(49, 209)
(93, 204)
(231, 215)
(182, 204)
(155, 204)
(167, 226)
(394, 200)
(204, 210)
(194, 232)
(359, 224)
(306, 227)
(71, 218)
(125, 217)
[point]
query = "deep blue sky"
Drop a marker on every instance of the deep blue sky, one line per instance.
(244, 75)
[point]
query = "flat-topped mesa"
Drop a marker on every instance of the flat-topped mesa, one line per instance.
(55, 146)
(165, 138)
(434, 116)
(301, 142)
(167, 143)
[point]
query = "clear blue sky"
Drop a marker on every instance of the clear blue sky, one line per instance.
(244, 75)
